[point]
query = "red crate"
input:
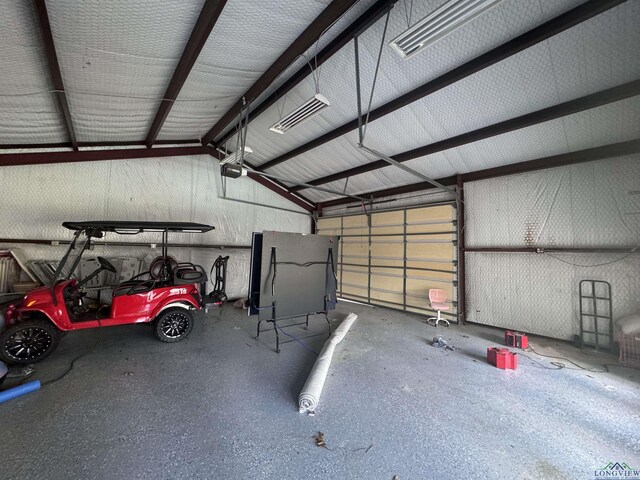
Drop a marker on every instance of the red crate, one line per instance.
(502, 358)
(516, 339)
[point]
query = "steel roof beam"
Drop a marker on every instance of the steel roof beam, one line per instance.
(534, 36)
(44, 158)
(587, 102)
(587, 155)
(305, 40)
(363, 22)
(199, 35)
(54, 68)
(125, 143)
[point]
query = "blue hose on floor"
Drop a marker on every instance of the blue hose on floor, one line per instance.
(19, 390)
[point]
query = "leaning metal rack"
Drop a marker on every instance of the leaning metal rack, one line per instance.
(596, 315)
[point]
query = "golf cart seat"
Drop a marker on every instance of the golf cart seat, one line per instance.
(163, 268)
(187, 273)
(131, 287)
(184, 274)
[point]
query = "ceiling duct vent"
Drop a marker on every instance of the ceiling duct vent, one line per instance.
(235, 157)
(300, 114)
(438, 24)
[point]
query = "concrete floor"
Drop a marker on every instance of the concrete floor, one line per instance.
(221, 405)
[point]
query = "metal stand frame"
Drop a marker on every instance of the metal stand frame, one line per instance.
(274, 321)
(274, 318)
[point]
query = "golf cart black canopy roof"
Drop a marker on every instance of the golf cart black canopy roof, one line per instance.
(129, 227)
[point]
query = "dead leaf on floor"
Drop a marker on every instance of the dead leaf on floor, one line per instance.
(319, 438)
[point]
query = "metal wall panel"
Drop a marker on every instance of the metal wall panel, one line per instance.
(595, 204)
(538, 293)
(37, 199)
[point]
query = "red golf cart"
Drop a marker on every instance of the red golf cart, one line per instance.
(164, 296)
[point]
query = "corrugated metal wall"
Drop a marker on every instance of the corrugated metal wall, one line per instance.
(35, 200)
(595, 205)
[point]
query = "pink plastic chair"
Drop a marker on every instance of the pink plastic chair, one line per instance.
(437, 299)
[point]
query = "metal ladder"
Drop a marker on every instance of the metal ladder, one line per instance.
(596, 294)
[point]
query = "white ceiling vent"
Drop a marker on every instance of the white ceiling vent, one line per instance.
(300, 114)
(438, 24)
(235, 157)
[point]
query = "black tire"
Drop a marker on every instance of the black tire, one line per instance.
(174, 324)
(28, 342)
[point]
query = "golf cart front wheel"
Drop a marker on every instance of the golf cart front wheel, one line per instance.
(28, 342)
(174, 324)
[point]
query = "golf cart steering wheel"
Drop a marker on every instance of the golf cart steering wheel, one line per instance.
(107, 265)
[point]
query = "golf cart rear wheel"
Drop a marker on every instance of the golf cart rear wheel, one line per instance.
(174, 324)
(28, 342)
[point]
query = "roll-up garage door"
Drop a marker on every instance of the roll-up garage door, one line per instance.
(392, 258)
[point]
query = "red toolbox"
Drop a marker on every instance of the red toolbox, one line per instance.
(516, 339)
(502, 358)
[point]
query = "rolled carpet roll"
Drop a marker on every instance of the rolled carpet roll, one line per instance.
(310, 395)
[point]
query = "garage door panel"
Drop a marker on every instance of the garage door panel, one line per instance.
(431, 238)
(387, 218)
(328, 223)
(328, 231)
(431, 227)
(394, 272)
(354, 278)
(349, 261)
(387, 239)
(387, 282)
(385, 250)
(445, 265)
(391, 230)
(439, 251)
(440, 212)
(348, 289)
(329, 226)
(352, 247)
(420, 288)
(426, 274)
(396, 260)
(355, 225)
(381, 296)
(387, 223)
